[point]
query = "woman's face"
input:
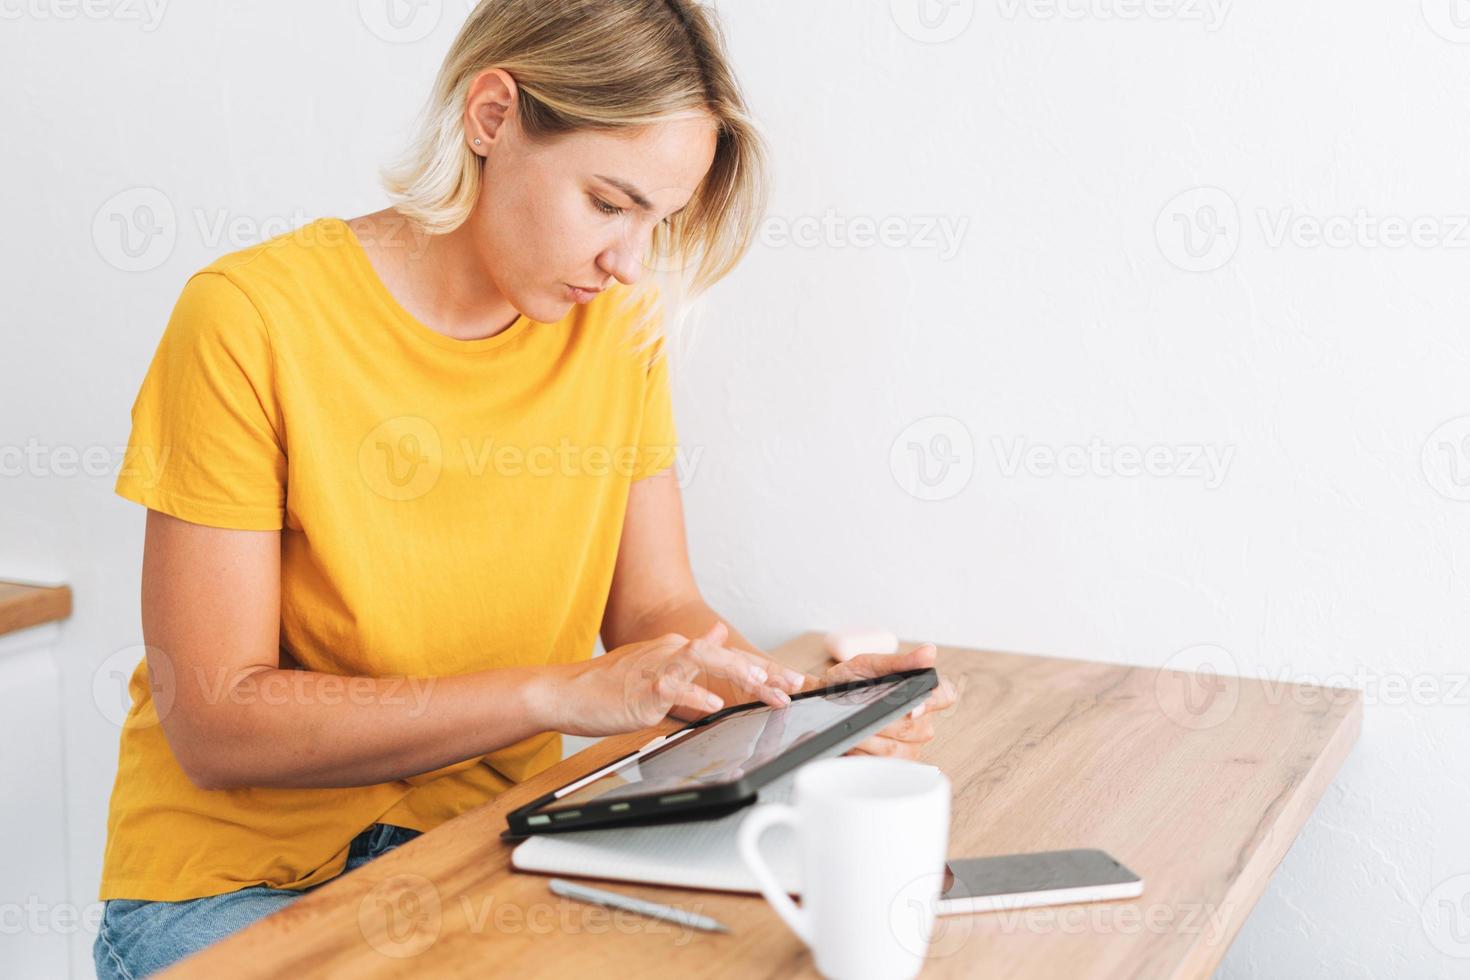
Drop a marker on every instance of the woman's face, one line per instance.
(579, 211)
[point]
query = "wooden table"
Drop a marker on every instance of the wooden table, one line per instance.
(24, 606)
(1198, 783)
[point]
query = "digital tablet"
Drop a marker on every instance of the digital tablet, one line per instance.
(715, 765)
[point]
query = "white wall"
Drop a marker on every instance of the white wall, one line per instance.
(1053, 139)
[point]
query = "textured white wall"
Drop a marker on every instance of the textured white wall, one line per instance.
(1002, 234)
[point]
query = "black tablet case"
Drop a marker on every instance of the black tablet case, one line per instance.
(717, 801)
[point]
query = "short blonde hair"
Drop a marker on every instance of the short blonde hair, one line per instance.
(599, 65)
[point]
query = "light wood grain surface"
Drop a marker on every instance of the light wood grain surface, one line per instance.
(24, 606)
(1198, 783)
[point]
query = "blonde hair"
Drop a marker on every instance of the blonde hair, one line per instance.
(599, 65)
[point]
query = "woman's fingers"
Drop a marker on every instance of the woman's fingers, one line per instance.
(942, 698)
(869, 665)
(906, 729)
(747, 672)
(881, 745)
(676, 686)
(761, 669)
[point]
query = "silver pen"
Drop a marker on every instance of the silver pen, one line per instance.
(598, 896)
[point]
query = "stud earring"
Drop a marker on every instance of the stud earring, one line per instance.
(477, 141)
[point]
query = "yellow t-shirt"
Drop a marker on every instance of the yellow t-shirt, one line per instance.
(445, 506)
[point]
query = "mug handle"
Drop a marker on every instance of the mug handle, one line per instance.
(751, 828)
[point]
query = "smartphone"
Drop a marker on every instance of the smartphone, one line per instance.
(1019, 881)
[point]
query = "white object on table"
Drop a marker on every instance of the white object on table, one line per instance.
(872, 834)
(691, 854)
(844, 644)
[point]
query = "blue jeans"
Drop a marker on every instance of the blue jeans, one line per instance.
(137, 938)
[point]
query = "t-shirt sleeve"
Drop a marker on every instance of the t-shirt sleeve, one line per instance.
(657, 438)
(206, 442)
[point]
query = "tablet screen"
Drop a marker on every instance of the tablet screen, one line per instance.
(725, 751)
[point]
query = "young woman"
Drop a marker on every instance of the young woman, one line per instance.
(402, 470)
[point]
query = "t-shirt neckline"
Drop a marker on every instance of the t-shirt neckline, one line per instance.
(412, 324)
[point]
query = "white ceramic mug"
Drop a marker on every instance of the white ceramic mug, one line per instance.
(872, 833)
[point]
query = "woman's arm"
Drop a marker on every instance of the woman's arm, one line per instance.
(234, 718)
(653, 590)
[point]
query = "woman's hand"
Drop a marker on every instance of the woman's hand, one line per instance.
(906, 736)
(637, 685)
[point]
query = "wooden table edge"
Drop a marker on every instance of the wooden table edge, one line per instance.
(23, 606)
(1250, 884)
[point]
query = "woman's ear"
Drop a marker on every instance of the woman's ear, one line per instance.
(490, 103)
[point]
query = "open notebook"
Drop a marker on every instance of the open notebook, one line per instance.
(696, 854)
